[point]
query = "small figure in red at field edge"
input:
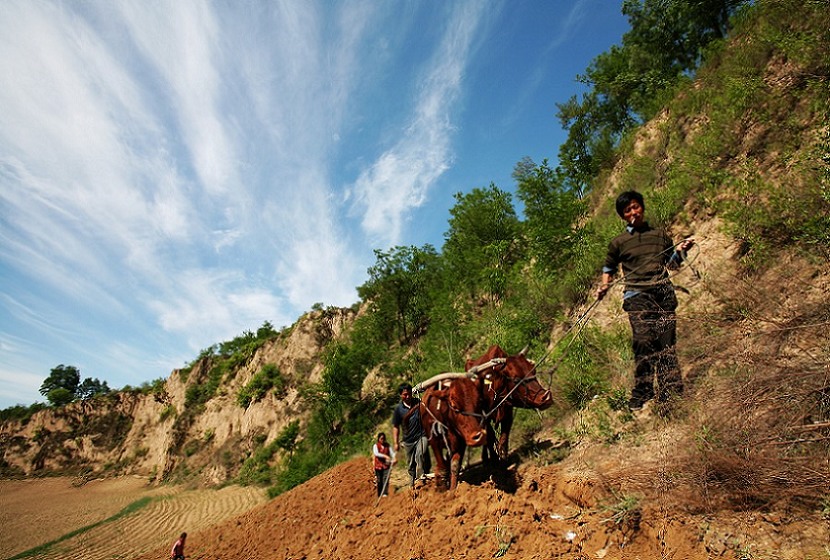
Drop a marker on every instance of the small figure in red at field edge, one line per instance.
(177, 552)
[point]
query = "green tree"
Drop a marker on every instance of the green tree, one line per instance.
(60, 396)
(399, 288)
(287, 438)
(91, 387)
(266, 331)
(595, 123)
(628, 83)
(61, 377)
(483, 241)
(269, 377)
(552, 214)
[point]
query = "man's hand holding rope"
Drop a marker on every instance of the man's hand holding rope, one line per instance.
(608, 279)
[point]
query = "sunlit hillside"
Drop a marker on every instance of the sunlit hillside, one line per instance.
(729, 142)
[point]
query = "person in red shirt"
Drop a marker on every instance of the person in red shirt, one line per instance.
(177, 552)
(382, 458)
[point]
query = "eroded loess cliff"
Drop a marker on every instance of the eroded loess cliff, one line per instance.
(169, 433)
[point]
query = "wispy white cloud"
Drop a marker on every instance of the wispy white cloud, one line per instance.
(570, 24)
(20, 387)
(400, 178)
(171, 163)
(218, 302)
(172, 173)
(181, 42)
(128, 199)
(546, 60)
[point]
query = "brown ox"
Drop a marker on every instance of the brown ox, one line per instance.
(509, 381)
(451, 415)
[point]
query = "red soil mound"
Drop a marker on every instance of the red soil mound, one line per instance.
(538, 513)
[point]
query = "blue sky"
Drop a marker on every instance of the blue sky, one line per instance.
(175, 173)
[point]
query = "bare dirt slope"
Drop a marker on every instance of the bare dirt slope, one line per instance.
(335, 516)
(533, 512)
(558, 511)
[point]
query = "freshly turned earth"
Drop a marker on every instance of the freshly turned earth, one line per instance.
(529, 512)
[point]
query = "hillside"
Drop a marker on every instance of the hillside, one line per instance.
(553, 512)
(168, 434)
(740, 468)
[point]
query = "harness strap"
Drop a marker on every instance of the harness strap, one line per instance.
(494, 362)
(438, 428)
(507, 396)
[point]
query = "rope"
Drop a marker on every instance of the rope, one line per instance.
(582, 321)
(441, 429)
(487, 415)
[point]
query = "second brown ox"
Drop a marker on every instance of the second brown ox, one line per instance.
(508, 382)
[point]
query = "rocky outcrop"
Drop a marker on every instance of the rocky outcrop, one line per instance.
(164, 434)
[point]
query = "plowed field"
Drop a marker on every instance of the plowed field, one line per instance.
(40, 511)
(529, 513)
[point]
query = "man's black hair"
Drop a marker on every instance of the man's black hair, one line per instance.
(404, 387)
(625, 199)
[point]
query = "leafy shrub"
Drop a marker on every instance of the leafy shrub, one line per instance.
(20, 413)
(167, 412)
(269, 377)
(257, 470)
(592, 364)
(287, 439)
(191, 447)
(60, 396)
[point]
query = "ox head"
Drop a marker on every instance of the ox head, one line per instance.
(518, 375)
(464, 415)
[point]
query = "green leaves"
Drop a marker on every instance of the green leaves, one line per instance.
(400, 288)
(269, 377)
(64, 386)
(552, 214)
(629, 83)
(483, 242)
(61, 377)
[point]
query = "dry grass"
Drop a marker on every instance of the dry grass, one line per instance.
(755, 433)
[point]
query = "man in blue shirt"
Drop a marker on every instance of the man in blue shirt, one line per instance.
(407, 415)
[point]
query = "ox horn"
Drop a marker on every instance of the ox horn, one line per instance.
(441, 377)
(524, 350)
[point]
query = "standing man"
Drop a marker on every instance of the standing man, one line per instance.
(408, 415)
(646, 254)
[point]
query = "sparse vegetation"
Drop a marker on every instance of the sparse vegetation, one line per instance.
(748, 144)
(167, 412)
(257, 469)
(20, 413)
(623, 509)
(268, 378)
